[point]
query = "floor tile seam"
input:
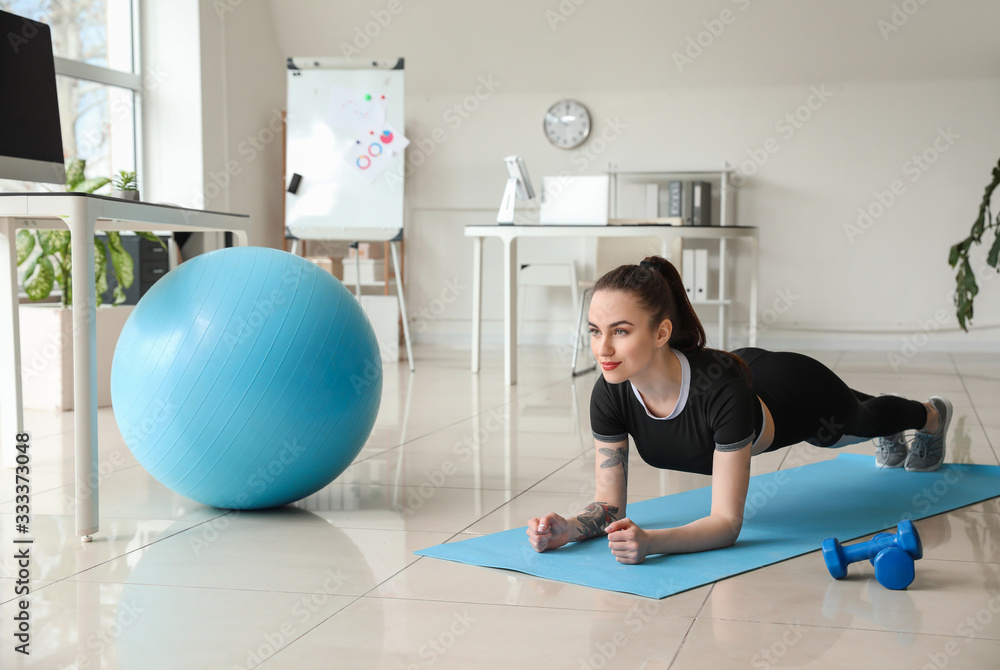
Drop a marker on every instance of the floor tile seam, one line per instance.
(519, 606)
(145, 546)
(551, 474)
(209, 588)
(267, 661)
(456, 422)
(874, 628)
(680, 646)
(975, 409)
(62, 486)
(704, 602)
(40, 588)
(495, 509)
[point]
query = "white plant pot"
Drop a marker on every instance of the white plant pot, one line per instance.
(126, 195)
(47, 354)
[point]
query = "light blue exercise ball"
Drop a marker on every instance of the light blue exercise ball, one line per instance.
(246, 378)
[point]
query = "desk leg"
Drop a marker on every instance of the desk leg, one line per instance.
(754, 271)
(11, 410)
(477, 300)
(510, 311)
(81, 225)
(394, 247)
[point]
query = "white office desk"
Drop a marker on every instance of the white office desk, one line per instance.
(509, 234)
(84, 214)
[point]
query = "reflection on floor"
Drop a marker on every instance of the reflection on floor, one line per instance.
(333, 582)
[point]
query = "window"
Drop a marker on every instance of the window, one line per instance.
(94, 42)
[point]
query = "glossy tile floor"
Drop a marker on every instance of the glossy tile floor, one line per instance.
(332, 582)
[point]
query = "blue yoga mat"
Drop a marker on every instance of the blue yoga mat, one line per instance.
(788, 513)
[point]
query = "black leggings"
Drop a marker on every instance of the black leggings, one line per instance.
(809, 403)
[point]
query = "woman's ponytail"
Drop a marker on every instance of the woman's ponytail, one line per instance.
(658, 287)
(688, 335)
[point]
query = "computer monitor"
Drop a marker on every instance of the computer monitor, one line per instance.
(30, 135)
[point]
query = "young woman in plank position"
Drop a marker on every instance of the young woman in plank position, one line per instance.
(706, 411)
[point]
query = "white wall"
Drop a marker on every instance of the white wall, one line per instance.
(894, 74)
(212, 101)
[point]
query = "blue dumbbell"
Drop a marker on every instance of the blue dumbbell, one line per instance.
(893, 568)
(838, 557)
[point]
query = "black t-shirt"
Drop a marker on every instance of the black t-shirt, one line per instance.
(717, 410)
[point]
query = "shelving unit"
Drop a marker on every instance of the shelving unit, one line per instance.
(629, 204)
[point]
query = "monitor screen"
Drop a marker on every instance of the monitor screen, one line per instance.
(30, 135)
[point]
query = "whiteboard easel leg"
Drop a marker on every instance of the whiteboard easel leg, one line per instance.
(394, 246)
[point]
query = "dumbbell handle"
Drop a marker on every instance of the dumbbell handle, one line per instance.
(863, 551)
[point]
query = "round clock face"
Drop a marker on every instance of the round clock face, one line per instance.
(567, 124)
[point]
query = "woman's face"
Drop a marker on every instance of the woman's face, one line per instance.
(620, 336)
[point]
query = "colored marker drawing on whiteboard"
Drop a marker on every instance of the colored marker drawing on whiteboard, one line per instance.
(373, 151)
(355, 109)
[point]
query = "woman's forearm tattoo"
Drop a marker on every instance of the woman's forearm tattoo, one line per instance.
(594, 518)
(617, 456)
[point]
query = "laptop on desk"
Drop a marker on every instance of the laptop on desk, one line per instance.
(574, 201)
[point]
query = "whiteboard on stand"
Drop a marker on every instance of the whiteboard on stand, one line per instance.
(344, 149)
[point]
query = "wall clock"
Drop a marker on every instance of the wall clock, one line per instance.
(567, 124)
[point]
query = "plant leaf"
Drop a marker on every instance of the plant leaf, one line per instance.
(90, 185)
(74, 172)
(118, 295)
(25, 245)
(994, 254)
(121, 260)
(152, 237)
(39, 285)
(29, 268)
(54, 241)
(100, 270)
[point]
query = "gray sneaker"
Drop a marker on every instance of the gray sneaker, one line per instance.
(928, 450)
(890, 451)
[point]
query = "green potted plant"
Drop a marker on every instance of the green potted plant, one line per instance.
(965, 277)
(125, 185)
(44, 257)
(44, 260)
